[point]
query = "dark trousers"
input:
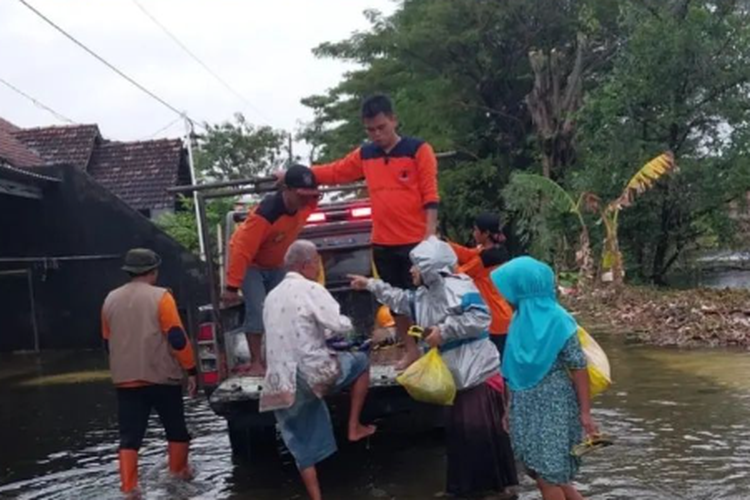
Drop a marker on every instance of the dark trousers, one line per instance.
(499, 341)
(134, 408)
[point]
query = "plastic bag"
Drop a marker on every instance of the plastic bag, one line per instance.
(429, 380)
(600, 377)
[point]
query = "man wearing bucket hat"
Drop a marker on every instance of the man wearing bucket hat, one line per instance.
(257, 249)
(148, 352)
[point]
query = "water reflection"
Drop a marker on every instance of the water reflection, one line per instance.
(682, 419)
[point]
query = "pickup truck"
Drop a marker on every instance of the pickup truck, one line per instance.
(341, 232)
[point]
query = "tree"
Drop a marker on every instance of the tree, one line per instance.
(680, 82)
(181, 224)
(539, 202)
(238, 150)
(641, 182)
(561, 67)
(459, 73)
(227, 151)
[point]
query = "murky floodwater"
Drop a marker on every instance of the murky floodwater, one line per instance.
(682, 420)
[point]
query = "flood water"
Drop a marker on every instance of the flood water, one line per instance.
(681, 419)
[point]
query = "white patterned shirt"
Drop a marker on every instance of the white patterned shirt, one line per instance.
(299, 315)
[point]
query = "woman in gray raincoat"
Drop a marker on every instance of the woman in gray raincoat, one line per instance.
(449, 307)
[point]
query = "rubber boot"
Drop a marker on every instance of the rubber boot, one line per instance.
(128, 470)
(178, 460)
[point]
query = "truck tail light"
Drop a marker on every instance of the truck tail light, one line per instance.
(207, 354)
(316, 218)
(360, 212)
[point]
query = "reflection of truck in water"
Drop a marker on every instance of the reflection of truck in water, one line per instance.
(341, 231)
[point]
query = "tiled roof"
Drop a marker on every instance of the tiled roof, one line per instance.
(7, 126)
(12, 150)
(69, 144)
(140, 172)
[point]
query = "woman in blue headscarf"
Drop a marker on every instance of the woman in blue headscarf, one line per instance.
(545, 370)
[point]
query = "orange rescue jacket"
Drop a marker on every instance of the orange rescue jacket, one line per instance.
(402, 184)
(264, 237)
(478, 264)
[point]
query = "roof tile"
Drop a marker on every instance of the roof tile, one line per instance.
(139, 172)
(69, 144)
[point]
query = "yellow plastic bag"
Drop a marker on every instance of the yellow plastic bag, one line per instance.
(600, 377)
(429, 380)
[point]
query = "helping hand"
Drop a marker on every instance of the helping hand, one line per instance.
(192, 386)
(358, 282)
(230, 297)
(434, 338)
(279, 175)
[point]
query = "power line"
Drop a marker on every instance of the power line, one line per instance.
(102, 60)
(199, 61)
(37, 103)
(165, 127)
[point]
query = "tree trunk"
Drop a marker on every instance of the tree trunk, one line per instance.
(584, 260)
(662, 246)
(556, 96)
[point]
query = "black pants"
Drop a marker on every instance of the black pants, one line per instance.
(499, 342)
(134, 407)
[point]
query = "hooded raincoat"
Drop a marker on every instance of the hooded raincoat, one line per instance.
(451, 302)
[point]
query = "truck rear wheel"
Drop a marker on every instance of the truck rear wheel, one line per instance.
(250, 441)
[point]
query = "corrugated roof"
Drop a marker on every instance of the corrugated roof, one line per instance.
(11, 172)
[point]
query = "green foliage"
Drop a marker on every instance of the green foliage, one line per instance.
(679, 83)
(459, 73)
(548, 218)
(227, 151)
(181, 225)
(467, 188)
(238, 150)
(658, 75)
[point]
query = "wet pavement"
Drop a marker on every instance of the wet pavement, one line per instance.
(682, 420)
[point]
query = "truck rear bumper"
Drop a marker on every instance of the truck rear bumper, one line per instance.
(241, 391)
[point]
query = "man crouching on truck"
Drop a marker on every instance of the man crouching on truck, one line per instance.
(257, 249)
(299, 314)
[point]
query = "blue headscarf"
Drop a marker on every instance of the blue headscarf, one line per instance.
(540, 327)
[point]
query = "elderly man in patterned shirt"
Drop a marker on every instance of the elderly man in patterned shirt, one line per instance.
(300, 315)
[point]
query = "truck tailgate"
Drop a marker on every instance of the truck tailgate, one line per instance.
(245, 388)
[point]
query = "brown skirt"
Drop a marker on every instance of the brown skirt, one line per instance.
(480, 458)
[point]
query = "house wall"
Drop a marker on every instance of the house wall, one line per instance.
(78, 218)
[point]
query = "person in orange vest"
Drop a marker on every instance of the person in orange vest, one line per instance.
(401, 177)
(257, 249)
(149, 353)
(478, 263)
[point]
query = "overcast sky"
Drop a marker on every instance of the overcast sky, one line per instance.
(262, 48)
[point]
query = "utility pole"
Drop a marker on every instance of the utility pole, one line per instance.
(291, 152)
(191, 164)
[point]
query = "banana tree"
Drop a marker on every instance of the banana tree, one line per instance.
(555, 196)
(642, 181)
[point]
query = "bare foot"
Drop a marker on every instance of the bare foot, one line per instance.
(251, 370)
(257, 369)
(361, 432)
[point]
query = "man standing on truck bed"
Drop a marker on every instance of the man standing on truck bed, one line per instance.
(148, 351)
(257, 248)
(401, 177)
